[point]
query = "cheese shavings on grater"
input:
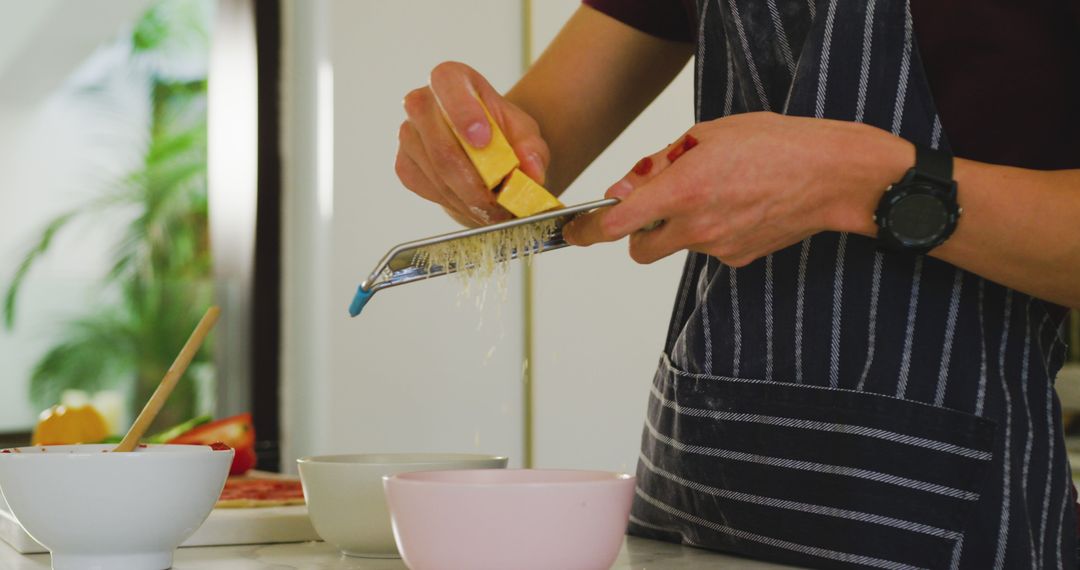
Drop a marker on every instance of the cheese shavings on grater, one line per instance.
(473, 252)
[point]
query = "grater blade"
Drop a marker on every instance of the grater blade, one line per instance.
(399, 266)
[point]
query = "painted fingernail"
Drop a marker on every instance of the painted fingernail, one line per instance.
(643, 166)
(688, 142)
(478, 134)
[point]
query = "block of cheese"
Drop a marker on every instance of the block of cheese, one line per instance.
(524, 197)
(495, 160)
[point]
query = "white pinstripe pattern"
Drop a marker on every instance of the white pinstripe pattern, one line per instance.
(1069, 504)
(812, 466)
(898, 113)
(909, 336)
(950, 330)
(774, 542)
(768, 317)
(735, 320)
(935, 135)
(682, 537)
(665, 362)
(905, 70)
(703, 306)
(691, 264)
(781, 37)
(812, 4)
(980, 398)
(749, 58)
(838, 293)
(1003, 529)
(823, 71)
(958, 549)
(1050, 445)
(848, 429)
(700, 60)
(860, 108)
(864, 68)
(871, 333)
(680, 348)
(729, 89)
(729, 95)
(1027, 411)
(804, 254)
(810, 508)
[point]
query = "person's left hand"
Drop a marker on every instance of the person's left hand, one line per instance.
(744, 186)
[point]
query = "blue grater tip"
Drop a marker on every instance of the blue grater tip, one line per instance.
(359, 301)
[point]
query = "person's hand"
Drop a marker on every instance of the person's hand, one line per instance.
(431, 163)
(744, 186)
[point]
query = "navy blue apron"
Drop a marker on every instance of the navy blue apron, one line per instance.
(831, 405)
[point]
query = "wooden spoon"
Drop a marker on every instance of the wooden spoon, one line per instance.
(157, 400)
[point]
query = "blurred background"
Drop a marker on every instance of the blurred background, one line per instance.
(158, 156)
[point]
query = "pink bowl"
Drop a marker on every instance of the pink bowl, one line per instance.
(509, 519)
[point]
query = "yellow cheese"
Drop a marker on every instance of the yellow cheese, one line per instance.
(494, 161)
(524, 197)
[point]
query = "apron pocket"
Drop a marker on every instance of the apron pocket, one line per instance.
(806, 474)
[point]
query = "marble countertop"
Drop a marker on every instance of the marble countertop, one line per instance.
(637, 554)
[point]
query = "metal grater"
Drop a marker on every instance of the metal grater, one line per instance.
(399, 267)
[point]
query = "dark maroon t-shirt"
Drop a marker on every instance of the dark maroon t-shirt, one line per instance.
(1005, 74)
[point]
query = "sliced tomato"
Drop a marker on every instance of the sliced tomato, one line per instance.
(236, 432)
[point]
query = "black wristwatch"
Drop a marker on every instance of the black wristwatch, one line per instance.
(919, 212)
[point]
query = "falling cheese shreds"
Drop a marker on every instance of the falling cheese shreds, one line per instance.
(478, 258)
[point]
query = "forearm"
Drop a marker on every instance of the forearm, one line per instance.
(589, 84)
(1019, 227)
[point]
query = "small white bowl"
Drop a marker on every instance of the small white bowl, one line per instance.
(344, 494)
(512, 519)
(118, 511)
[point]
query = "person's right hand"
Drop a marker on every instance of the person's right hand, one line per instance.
(431, 163)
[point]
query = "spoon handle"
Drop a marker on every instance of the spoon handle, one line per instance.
(172, 376)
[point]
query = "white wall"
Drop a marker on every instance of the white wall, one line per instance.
(599, 318)
(412, 373)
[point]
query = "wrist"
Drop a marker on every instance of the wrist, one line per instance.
(865, 161)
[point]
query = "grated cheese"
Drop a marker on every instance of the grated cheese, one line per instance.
(478, 258)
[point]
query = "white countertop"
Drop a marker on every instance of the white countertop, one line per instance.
(637, 554)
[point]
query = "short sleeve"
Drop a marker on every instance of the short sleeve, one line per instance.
(665, 19)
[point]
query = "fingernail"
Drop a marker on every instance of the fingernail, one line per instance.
(643, 166)
(688, 142)
(537, 165)
(620, 190)
(478, 134)
(568, 233)
(480, 215)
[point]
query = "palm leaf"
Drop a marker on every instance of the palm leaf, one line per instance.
(94, 353)
(31, 257)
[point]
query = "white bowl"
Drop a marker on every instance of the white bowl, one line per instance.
(112, 511)
(344, 494)
(513, 519)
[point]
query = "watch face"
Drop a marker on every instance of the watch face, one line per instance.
(918, 219)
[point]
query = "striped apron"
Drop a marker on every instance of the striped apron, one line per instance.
(836, 406)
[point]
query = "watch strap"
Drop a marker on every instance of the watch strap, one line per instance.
(934, 163)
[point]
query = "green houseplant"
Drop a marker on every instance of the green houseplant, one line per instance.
(161, 266)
